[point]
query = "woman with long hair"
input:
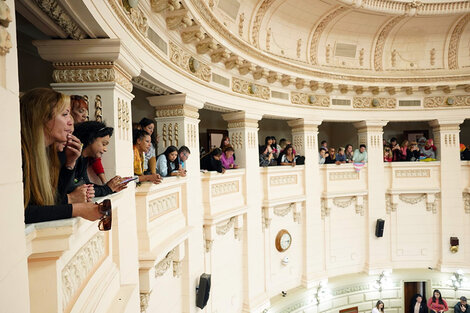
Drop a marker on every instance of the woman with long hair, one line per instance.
(150, 157)
(168, 164)
(211, 161)
(436, 304)
(379, 307)
(418, 304)
(46, 123)
(287, 156)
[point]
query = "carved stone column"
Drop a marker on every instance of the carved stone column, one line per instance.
(305, 141)
(243, 132)
(452, 213)
(370, 133)
(178, 124)
(13, 263)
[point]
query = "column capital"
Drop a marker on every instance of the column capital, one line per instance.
(90, 61)
(177, 105)
(242, 119)
(304, 125)
(442, 124)
(373, 125)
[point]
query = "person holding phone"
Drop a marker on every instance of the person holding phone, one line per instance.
(142, 143)
(436, 304)
(461, 306)
(95, 137)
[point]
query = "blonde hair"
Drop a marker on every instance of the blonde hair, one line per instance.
(40, 163)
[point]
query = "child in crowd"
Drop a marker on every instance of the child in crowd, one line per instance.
(142, 143)
(211, 161)
(388, 156)
(227, 158)
(168, 163)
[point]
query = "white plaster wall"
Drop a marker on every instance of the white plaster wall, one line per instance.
(167, 294)
(276, 128)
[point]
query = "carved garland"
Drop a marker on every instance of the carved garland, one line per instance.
(225, 228)
(144, 301)
(283, 180)
(263, 8)
(320, 28)
(250, 89)
(224, 188)
(454, 42)
(182, 59)
(466, 202)
(334, 176)
(367, 102)
(162, 266)
(440, 101)
(412, 200)
(163, 205)
(310, 99)
(5, 20)
(379, 46)
(80, 266)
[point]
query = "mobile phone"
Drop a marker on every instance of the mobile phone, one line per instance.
(129, 179)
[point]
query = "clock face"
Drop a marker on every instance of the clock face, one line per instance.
(283, 240)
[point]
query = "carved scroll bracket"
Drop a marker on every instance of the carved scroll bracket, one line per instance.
(343, 202)
(282, 211)
(466, 201)
(173, 258)
(431, 199)
(221, 228)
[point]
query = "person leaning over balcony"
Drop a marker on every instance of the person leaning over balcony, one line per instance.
(322, 156)
(405, 147)
(461, 306)
(150, 160)
(331, 158)
(418, 304)
(211, 161)
(266, 157)
(360, 155)
(142, 143)
(413, 153)
(388, 155)
(183, 155)
(95, 137)
(287, 156)
(227, 158)
(396, 150)
(428, 152)
(168, 164)
(379, 307)
(436, 304)
(46, 122)
(340, 156)
(349, 153)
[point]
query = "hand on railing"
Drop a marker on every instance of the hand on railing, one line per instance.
(116, 184)
(78, 195)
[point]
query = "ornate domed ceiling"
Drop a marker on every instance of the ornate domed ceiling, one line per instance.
(354, 35)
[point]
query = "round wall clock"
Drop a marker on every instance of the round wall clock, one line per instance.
(283, 240)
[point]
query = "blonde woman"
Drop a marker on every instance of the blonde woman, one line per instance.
(46, 122)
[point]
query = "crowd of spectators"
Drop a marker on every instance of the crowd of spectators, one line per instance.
(422, 150)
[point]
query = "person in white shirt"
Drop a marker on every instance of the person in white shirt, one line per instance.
(379, 307)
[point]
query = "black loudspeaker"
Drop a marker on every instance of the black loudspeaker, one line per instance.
(202, 294)
(379, 228)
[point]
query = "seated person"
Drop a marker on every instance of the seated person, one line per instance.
(323, 156)
(46, 124)
(461, 306)
(266, 156)
(227, 158)
(168, 163)
(388, 155)
(413, 153)
(211, 161)
(287, 156)
(183, 155)
(95, 138)
(429, 150)
(142, 142)
(360, 155)
(331, 158)
(340, 156)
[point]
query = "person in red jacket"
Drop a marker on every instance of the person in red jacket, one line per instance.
(436, 304)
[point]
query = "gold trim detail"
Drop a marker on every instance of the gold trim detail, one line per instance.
(182, 59)
(250, 89)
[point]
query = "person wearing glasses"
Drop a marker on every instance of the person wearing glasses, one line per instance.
(46, 124)
(183, 155)
(168, 164)
(331, 158)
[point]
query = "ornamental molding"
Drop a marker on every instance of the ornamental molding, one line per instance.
(162, 266)
(283, 180)
(170, 135)
(309, 99)
(412, 199)
(225, 188)
(346, 175)
(443, 101)
(191, 139)
(5, 20)
(243, 123)
(178, 110)
(419, 173)
(390, 206)
(455, 40)
(374, 103)
(283, 211)
(182, 59)
(57, 14)
(137, 17)
(163, 205)
(258, 19)
(431, 200)
(320, 28)
(236, 139)
(98, 109)
(466, 202)
(381, 39)
(143, 83)
(225, 227)
(350, 289)
(83, 264)
(250, 89)
(144, 301)
(343, 202)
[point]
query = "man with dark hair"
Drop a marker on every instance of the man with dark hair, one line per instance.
(360, 155)
(183, 155)
(462, 306)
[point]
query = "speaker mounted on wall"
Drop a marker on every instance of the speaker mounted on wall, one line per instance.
(379, 228)
(202, 293)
